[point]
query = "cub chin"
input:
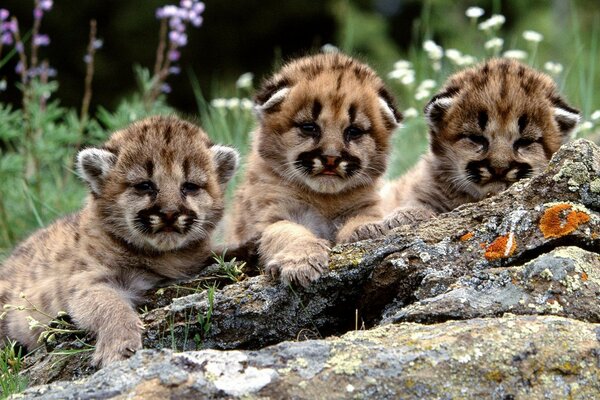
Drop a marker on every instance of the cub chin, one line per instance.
(156, 195)
(314, 171)
(489, 126)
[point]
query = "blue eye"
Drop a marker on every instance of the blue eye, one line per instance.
(353, 133)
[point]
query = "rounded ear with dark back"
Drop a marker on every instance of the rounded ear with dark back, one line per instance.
(270, 96)
(226, 162)
(566, 117)
(93, 165)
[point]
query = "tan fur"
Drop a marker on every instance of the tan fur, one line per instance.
(489, 126)
(95, 265)
(290, 198)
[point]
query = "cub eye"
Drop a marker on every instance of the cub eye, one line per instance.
(478, 140)
(523, 142)
(145, 187)
(310, 129)
(189, 188)
(353, 133)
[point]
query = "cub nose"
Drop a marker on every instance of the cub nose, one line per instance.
(499, 171)
(331, 161)
(169, 216)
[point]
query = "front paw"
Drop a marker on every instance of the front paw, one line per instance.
(300, 263)
(407, 216)
(371, 230)
(117, 343)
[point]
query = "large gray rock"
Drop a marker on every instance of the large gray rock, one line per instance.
(501, 358)
(532, 250)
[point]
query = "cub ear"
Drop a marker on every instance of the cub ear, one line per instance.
(93, 165)
(435, 111)
(566, 117)
(226, 160)
(387, 104)
(270, 96)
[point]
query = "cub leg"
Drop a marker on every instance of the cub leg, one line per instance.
(407, 216)
(361, 227)
(293, 253)
(107, 312)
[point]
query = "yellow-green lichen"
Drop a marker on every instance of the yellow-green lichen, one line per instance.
(345, 361)
(595, 185)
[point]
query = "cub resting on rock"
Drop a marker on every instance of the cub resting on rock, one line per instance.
(156, 195)
(489, 126)
(317, 157)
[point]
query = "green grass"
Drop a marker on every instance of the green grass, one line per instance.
(11, 363)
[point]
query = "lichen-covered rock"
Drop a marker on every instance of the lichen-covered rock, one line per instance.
(499, 358)
(565, 281)
(531, 250)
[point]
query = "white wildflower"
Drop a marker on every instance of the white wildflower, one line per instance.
(329, 48)
(233, 103)
(410, 112)
(245, 81)
(454, 55)
(595, 115)
(494, 44)
(494, 22)
(516, 54)
(467, 60)
(474, 12)
(405, 76)
(553, 67)
(219, 103)
(533, 36)
(585, 126)
(33, 323)
(246, 104)
(402, 65)
(433, 50)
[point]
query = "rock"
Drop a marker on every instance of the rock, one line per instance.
(530, 251)
(501, 358)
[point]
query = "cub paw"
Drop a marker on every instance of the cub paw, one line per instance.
(371, 230)
(299, 263)
(407, 216)
(117, 344)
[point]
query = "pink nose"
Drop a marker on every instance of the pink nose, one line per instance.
(331, 161)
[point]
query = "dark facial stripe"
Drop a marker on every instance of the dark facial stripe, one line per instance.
(352, 112)
(150, 168)
(316, 110)
(523, 121)
(168, 133)
(186, 168)
(482, 119)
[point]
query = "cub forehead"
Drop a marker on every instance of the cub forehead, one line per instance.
(159, 133)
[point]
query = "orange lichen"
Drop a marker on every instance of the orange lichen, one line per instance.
(557, 222)
(584, 276)
(483, 245)
(502, 247)
(466, 236)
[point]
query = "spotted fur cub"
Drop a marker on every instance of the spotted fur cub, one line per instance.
(489, 126)
(312, 177)
(156, 195)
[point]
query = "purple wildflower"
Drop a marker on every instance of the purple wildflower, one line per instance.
(98, 43)
(165, 88)
(186, 3)
(6, 38)
(174, 55)
(41, 40)
(38, 13)
(175, 70)
(180, 39)
(19, 67)
(46, 5)
(19, 47)
(4, 14)
(87, 59)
